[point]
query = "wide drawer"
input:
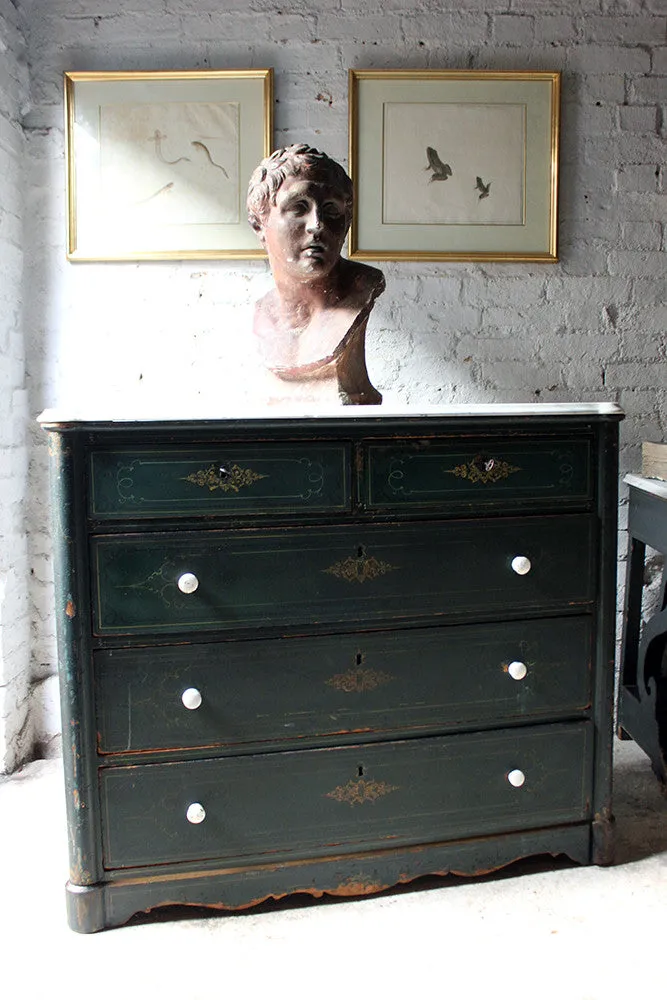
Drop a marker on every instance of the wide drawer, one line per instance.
(285, 690)
(505, 473)
(218, 480)
(366, 573)
(332, 801)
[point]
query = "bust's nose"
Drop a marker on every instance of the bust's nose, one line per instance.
(314, 223)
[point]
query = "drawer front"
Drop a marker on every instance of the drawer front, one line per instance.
(218, 480)
(341, 574)
(326, 802)
(504, 473)
(285, 690)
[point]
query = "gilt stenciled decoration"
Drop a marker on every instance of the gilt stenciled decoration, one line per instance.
(359, 568)
(484, 470)
(565, 461)
(358, 679)
(357, 791)
(125, 474)
(231, 479)
(161, 582)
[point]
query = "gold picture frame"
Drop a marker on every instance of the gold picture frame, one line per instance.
(454, 165)
(158, 163)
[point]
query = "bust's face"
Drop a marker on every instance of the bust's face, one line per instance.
(305, 229)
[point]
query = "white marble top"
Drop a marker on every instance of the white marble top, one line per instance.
(658, 487)
(59, 415)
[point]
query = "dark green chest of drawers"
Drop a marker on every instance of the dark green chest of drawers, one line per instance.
(329, 655)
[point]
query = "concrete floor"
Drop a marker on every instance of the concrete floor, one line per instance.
(537, 931)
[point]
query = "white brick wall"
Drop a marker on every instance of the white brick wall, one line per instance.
(592, 327)
(15, 723)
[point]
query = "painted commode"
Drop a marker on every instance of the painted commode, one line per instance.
(331, 653)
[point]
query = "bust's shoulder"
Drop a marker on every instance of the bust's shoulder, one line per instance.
(267, 310)
(357, 268)
(363, 276)
(267, 302)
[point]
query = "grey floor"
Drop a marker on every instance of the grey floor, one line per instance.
(538, 930)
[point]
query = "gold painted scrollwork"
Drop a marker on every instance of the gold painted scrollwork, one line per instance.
(161, 582)
(360, 568)
(358, 791)
(484, 470)
(229, 480)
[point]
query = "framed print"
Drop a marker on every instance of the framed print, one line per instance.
(454, 165)
(158, 163)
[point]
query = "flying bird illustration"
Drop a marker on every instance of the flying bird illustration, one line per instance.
(482, 188)
(441, 171)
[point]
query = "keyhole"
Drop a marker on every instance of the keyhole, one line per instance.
(360, 659)
(360, 771)
(360, 552)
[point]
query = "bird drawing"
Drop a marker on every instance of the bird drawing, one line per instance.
(482, 188)
(440, 171)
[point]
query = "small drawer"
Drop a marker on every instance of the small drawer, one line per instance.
(171, 582)
(509, 473)
(283, 691)
(220, 479)
(311, 803)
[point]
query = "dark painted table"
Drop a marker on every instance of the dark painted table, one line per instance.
(642, 707)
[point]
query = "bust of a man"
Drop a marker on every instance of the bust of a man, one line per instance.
(312, 324)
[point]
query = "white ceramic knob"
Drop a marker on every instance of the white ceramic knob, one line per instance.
(191, 698)
(516, 778)
(195, 813)
(521, 565)
(188, 583)
(517, 671)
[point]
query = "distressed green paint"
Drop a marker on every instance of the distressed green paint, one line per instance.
(351, 641)
(266, 578)
(73, 635)
(334, 687)
(430, 473)
(229, 479)
(285, 805)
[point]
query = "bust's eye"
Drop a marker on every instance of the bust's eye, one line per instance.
(332, 210)
(297, 207)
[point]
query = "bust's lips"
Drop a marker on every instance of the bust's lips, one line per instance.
(314, 250)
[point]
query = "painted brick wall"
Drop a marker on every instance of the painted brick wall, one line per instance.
(591, 327)
(15, 725)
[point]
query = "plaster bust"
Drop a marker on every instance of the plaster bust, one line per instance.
(312, 324)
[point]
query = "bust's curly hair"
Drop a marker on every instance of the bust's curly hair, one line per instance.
(298, 160)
